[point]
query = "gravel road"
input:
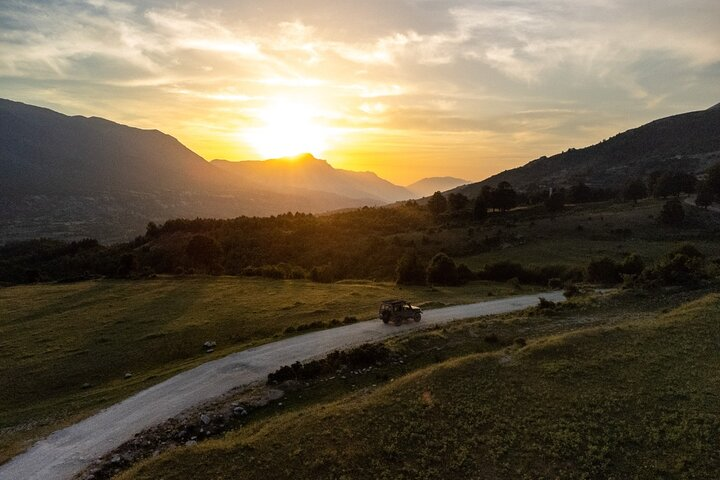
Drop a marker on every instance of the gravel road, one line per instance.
(68, 451)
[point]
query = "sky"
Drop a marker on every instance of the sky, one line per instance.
(404, 88)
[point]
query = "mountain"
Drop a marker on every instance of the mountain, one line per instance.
(688, 142)
(430, 185)
(72, 176)
(309, 173)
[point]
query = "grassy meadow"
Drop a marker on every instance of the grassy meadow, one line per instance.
(65, 348)
(580, 233)
(624, 386)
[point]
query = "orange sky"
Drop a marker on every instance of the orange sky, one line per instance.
(406, 88)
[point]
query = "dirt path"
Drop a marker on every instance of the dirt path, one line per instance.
(690, 200)
(71, 449)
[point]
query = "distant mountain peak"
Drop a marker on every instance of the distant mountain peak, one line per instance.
(715, 107)
(430, 185)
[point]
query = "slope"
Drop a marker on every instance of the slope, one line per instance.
(633, 398)
(688, 142)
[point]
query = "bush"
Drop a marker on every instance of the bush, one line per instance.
(360, 357)
(604, 271)
(503, 271)
(442, 270)
(464, 273)
(555, 283)
(545, 304)
(672, 212)
(689, 250)
(679, 269)
(683, 266)
(409, 270)
(571, 290)
(633, 264)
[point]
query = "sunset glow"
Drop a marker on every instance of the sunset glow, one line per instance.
(406, 89)
(288, 128)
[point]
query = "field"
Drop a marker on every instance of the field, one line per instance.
(624, 386)
(65, 349)
(580, 233)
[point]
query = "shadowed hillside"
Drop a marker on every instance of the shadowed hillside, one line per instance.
(74, 177)
(689, 142)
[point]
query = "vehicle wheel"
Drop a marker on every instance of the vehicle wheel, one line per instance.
(386, 319)
(417, 317)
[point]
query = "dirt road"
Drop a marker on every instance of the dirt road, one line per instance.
(71, 449)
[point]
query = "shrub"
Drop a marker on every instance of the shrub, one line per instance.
(571, 290)
(409, 270)
(633, 264)
(520, 342)
(491, 338)
(604, 271)
(683, 266)
(442, 270)
(689, 250)
(679, 269)
(464, 273)
(360, 357)
(503, 271)
(672, 212)
(554, 283)
(545, 304)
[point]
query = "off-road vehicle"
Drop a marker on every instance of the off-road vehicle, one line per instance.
(398, 311)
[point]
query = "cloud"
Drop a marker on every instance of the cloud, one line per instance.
(407, 65)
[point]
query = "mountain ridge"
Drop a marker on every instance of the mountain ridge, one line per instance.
(310, 173)
(687, 142)
(70, 177)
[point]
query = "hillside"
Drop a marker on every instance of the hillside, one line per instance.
(430, 185)
(598, 388)
(309, 173)
(73, 177)
(688, 142)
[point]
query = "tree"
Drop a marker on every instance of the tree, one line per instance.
(581, 193)
(128, 264)
(705, 196)
(667, 185)
(203, 251)
(442, 270)
(713, 180)
(409, 270)
(672, 212)
(457, 201)
(503, 198)
(152, 230)
(635, 190)
(674, 183)
(480, 208)
(604, 270)
(437, 204)
(556, 201)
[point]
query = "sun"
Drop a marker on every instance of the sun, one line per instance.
(288, 128)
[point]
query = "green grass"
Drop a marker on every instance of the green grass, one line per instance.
(583, 232)
(54, 338)
(621, 388)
